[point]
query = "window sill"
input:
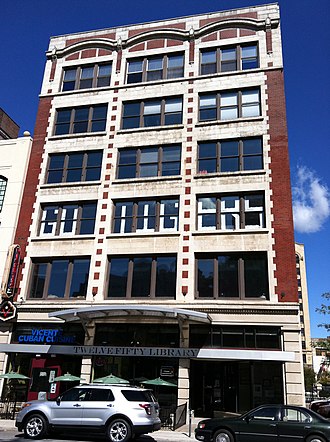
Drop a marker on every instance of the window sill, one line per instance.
(149, 129)
(229, 232)
(79, 135)
(62, 238)
(236, 120)
(147, 179)
(70, 184)
(142, 235)
(204, 176)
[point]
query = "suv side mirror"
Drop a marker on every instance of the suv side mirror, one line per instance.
(58, 400)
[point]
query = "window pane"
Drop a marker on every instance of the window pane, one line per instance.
(207, 150)
(49, 220)
(228, 54)
(252, 163)
(229, 165)
(229, 99)
(87, 222)
(250, 96)
(118, 277)
(249, 51)
(100, 112)
(146, 215)
(152, 107)
(155, 63)
(126, 172)
(171, 153)
(229, 148)
(58, 277)
(123, 217)
(81, 114)
(251, 111)
(205, 278)
(169, 213)
(141, 277)
(228, 276)
(175, 61)
(166, 277)
(38, 280)
(252, 146)
(255, 276)
(228, 114)
(209, 57)
(208, 101)
(149, 155)
(131, 109)
(135, 66)
(207, 213)
(207, 166)
(173, 105)
(63, 116)
(79, 278)
(105, 70)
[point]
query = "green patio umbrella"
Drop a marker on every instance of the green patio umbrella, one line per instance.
(13, 375)
(160, 382)
(67, 377)
(111, 379)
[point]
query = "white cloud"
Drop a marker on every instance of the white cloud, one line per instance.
(311, 201)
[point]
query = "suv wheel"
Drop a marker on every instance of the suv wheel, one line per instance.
(119, 430)
(35, 427)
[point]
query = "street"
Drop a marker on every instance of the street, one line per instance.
(159, 436)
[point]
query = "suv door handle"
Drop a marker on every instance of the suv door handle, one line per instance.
(109, 405)
(77, 405)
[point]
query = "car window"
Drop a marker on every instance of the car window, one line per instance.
(76, 394)
(100, 394)
(267, 413)
(292, 415)
(137, 396)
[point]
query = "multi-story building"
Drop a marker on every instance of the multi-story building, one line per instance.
(156, 226)
(306, 340)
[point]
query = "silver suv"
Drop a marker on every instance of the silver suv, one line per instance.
(118, 411)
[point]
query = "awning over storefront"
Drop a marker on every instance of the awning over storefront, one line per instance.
(86, 314)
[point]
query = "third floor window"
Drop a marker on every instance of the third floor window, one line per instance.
(85, 77)
(155, 68)
(68, 219)
(229, 105)
(146, 216)
(158, 112)
(226, 59)
(231, 212)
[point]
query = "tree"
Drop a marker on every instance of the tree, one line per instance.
(324, 309)
(309, 377)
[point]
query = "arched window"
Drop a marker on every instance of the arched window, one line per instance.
(3, 185)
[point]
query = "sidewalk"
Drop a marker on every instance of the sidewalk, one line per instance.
(9, 425)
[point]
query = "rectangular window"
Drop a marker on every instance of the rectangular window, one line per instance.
(160, 112)
(149, 162)
(232, 275)
(228, 59)
(83, 77)
(160, 67)
(81, 119)
(74, 167)
(229, 105)
(230, 155)
(68, 219)
(231, 212)
(142, 277)
(3, 185)
(59, 278)
(146, 216)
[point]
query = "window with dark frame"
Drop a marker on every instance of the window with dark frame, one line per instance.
(3, 186)
(203, 336)
(231, 212)
(232, 275)
(229, 105)
(229, 58)
(150, 113)
(146, 215)
(59, 278)
(86, 76)
(230, 155)
(74, 167)
(160, 67)
(68, 219)
(81, 119)
(142, 277)
(151, 161)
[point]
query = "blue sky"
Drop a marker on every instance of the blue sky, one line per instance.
(27, 25)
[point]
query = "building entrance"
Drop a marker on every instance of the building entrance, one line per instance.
(233, 387)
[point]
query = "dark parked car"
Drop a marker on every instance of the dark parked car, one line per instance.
(278, 423)
(315, 405)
